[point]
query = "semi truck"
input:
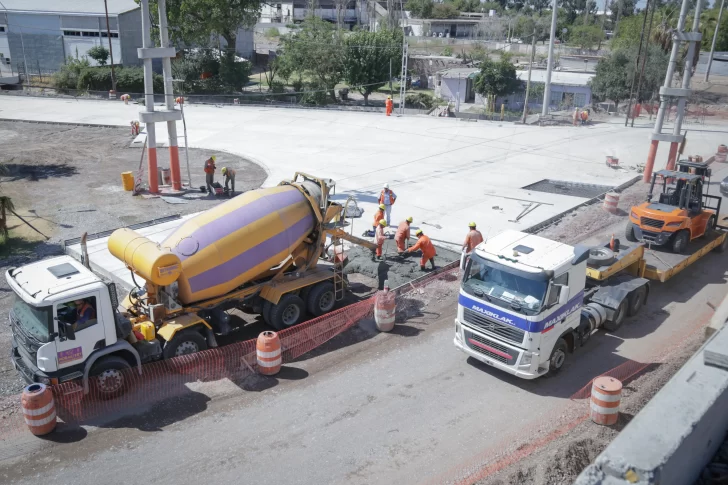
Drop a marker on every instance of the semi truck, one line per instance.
(260, 251)
(527, 302)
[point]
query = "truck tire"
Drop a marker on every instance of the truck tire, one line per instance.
(110, 380)
(635, 300)
(321, 299)
(558, 357)
(680, 242)
(599, 257)
(267, 307)
(629, 232)
(287, 313)
(184, 343)
(619, 315)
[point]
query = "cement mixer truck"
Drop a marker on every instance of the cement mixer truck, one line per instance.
(260, 250)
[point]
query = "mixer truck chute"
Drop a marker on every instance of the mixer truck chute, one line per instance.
(259, 251)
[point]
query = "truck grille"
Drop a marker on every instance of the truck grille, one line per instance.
(491, 349)
(25, 345)
(497, 329)
(657, 224)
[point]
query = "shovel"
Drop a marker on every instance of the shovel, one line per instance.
(437, 226)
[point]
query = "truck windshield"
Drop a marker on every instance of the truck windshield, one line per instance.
(505, 287)
(34, 322)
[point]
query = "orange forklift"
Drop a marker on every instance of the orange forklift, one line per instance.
(682, 213)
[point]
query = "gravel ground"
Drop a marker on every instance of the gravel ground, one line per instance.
(65, 180)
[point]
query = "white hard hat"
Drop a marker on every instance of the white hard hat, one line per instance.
(386, 186)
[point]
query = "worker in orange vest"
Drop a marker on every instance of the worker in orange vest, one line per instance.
(402, 235)
(378, 216)
(379, 237)
(210, 174)
(229, 175)
(584, 117)
(428, 249)
(389, 104)
(473, 238)
(387, 197)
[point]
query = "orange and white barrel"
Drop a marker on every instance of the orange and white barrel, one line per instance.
(606, 393)
(39, 409)
(179, 100)
(385, 310)
(611, 201)
(268, 353)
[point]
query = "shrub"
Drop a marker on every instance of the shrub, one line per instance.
(447, 51)
(273, 32)
(419, 101)
(128, 79)
(66, 79)
(277, 87)
(99, 53)
(315, 94)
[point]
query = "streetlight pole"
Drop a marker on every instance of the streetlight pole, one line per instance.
(111, 52)
(528, 83)
(715, 36)
(547, 87)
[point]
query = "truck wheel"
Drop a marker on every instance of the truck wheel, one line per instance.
(287, 313)
(599, 257)
(109, 376)
(635, 300)
(184, 343)
(558, 357)
(619, 315)
(321, 299)
(267, 307)
(629, 232)
(680, 242)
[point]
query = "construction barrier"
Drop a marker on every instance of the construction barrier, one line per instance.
(268, 353)
(606, 394)
(611, 201)
(39, 409)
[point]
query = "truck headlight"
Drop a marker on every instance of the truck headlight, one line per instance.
(674, 224)
(633, 215)
(526, 358)
(457, 331)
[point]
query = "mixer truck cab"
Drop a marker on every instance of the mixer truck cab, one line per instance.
(53, 341)
(526, 302)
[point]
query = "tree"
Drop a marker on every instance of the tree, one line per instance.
(707, 22)
(99, 53)
(368, 57)
(539, 5)
(586, 36)
(420, 8)
(317, 51)
(612, 80)
(444, 11)
(496, 78)
(196, 21)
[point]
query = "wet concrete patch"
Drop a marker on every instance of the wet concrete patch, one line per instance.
(397, 269)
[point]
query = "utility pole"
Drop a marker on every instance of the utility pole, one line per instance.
(715, 36)
(619, 16)
(390, 77)
(111, 51)
(528, 83)
(637, 63)
(586, 12)
(547, 87)
(644, 59)
(667, 91)
(25, 62)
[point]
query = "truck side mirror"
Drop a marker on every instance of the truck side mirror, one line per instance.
(564, 295)
(464, 257)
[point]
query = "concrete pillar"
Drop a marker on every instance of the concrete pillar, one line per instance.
(169, 99)
(149, 100)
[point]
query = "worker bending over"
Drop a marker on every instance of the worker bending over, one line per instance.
(584, 117)
(427, 248)
(389, 105)
(387, 197)
(210, 174)
(379, 237)
(229, 175)
(378, 216)
(473, 238)
(403, 234)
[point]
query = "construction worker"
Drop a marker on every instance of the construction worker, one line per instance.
(473, 238)
(427, 248)
(584, 117)
(84, 313)
(210, 174)
(379, 237)
(403, 234)
(389, 105)
(387, 197)
(378, 216)
(229, 175)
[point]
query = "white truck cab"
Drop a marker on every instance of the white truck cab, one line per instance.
(520, 296)
(65, 324)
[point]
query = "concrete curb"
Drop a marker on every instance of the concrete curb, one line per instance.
(678, 431)
(720, 317)
(63, 123)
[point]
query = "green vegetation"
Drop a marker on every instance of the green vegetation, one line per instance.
(272, 33)
(420, 101)
(586, 36)
(99, 54)
(496, 78)
(76, 74)
(207, 72)
(368, 58)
